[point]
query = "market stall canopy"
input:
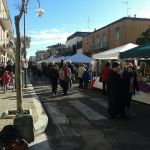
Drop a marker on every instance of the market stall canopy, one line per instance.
(142, 51)
(59, 59)
(50, 59)
(115, 52)
(79, 58)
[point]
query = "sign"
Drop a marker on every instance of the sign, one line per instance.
(25, 63)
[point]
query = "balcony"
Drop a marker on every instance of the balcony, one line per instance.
(6, 22)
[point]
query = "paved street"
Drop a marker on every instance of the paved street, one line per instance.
(80, 121)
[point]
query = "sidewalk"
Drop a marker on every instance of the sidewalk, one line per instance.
(30, 101)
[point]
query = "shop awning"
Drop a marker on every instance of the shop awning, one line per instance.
(142, 51)
(115, 52)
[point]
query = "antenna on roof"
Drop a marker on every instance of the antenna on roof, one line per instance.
(89, 23)
(127, 8)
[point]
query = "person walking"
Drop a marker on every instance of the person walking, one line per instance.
(81, 70)
(72, 69)
(54, 76)
(129, 86)
(64, 75)
(104, 74)
(86, 78)
(2, 70)
(114, 91)
(6, 79)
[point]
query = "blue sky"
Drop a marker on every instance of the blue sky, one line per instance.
(64, 17)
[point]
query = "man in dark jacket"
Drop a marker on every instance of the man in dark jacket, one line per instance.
(54, 75)
(114, 90)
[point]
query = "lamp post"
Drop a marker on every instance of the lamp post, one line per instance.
(39, 13)
(18, 66)
(25, 53)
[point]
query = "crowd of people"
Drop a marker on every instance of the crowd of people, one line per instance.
(63, 74)
(119, 85)
(119, 82)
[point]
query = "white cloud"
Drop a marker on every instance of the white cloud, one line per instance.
(142, 12)
(48, 36)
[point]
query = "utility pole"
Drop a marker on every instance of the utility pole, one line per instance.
(25, 53)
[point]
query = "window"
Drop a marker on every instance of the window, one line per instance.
(104, 37)
(117, 34)
(97, 41)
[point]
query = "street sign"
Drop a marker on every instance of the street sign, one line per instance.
(25, 63)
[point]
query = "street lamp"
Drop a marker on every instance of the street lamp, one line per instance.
(39, 13)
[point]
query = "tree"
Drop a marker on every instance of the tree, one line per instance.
(27, 42)
(27, 39)
(144, 37)
(18, 76)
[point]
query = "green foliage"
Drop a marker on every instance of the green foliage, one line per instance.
(144, 37)
(27, 41)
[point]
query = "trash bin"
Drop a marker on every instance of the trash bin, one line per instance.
(24, 123)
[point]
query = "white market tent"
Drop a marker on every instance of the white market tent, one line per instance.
(114, 53)
(79, 58)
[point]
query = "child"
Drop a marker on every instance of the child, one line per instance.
(86, 77)
(6, 79)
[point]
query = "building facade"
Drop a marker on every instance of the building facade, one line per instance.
(6, 46)
(74, 42)
(32, 58)
(123, 31)
(41, 55)
(56, 50)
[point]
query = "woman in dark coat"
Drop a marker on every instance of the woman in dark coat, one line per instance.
(129, 78)
(114, 90)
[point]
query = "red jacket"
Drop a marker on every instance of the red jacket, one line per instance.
(105, 73)
(5, 79)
